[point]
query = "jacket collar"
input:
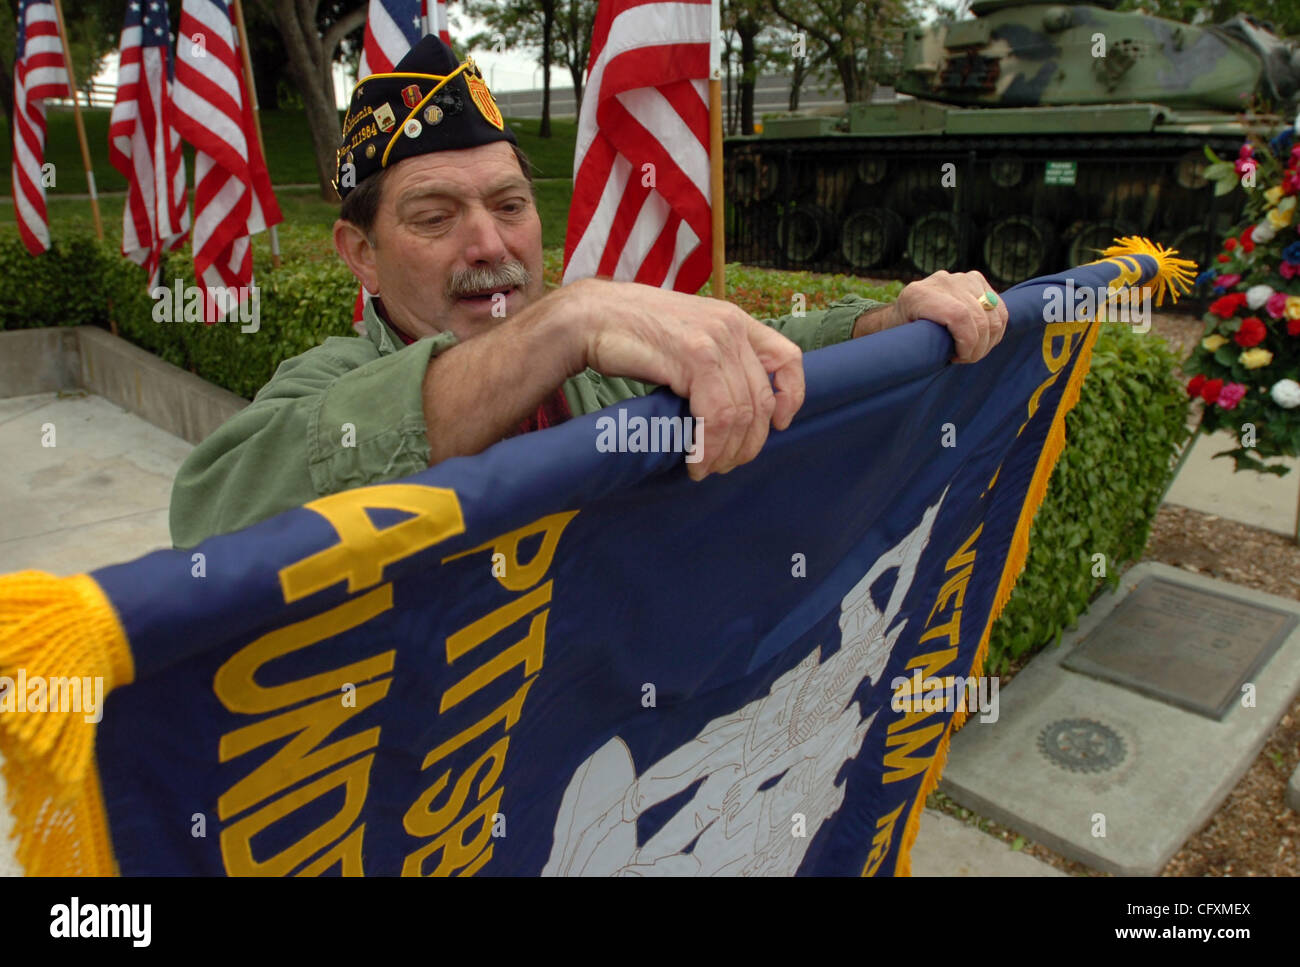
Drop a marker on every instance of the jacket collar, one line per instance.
(379, 332)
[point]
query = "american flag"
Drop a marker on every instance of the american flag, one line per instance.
(640, 209)
(232, 189)
(143, 142)
(39, 72)
(394, 26)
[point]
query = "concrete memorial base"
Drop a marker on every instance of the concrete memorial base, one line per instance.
(1104, 774)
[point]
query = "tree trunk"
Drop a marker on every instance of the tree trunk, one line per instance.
(302, 43)
(7, 79)
(796, 82)
(847, 65)
(548, 31)
(575, 72)
(748, 30)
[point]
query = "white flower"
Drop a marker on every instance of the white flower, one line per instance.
(1263, 233)
(1286, 393)
(1257, 295)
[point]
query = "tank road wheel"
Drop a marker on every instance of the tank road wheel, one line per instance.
(870, 238)
(871, 171)
(1018, 248)
(805, 232)
(754, 179)
(1006, 172)
(937, 241)
(1091, 239)
(1190, 171)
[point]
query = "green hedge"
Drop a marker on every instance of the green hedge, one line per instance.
(82, 282)
(1108, 484)
(1121, 438)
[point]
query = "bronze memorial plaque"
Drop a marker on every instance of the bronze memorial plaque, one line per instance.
(1182, 645)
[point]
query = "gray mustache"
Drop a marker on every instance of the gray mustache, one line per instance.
(507, 276)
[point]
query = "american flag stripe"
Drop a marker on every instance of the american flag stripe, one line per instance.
(144, 145)
(648, 105)
(392, 28)
(435, 20)
(232, 188)
(39, 72)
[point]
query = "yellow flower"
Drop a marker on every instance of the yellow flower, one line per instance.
(1214, 342)
(1292, 310)
(1279, 218)
(1274, 194)
(1255, 358)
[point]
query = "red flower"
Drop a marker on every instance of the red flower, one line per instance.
(1223, 258)
(1248, 235)
(1293, 327)
(1251, 332)
(1210, 390)
(1247, 245)
(1230, 244)
(1227, 306)
(1194, 385)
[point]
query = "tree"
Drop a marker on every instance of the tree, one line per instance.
(574, 24)
(852, 31)
(521, 23)
(312, 31)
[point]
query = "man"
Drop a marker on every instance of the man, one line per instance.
(438, 221)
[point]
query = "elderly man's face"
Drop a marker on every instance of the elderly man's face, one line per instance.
(457, 243)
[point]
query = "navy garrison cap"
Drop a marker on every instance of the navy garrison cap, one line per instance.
(430, 102)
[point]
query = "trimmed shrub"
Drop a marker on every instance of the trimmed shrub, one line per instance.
(1121, 438)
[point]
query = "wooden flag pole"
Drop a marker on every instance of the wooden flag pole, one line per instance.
(76, 114)
(257, 113)
(716, 201)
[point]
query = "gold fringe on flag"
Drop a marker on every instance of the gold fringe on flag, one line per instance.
(1174, 276)
(54, 628)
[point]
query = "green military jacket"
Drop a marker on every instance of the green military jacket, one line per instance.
(292, 443)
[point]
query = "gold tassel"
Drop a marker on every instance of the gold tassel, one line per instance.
(57, 628)
(1053, 447)
(1174, 275)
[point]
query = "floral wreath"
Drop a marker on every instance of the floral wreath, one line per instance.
(1247, 365)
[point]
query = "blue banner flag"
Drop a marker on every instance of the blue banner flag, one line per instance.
(553, 659)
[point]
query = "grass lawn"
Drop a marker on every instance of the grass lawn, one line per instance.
(288, 150)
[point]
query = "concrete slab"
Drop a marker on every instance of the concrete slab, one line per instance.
(105, 465)
(945, 846)
(1102, 774)
(1212, 487)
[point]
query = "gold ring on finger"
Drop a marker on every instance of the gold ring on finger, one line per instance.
(988, 301)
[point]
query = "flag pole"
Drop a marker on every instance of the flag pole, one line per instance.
(76, 114)
(716, 201)
(257, 115)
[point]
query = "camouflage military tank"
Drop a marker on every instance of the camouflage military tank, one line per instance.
(1034, 134)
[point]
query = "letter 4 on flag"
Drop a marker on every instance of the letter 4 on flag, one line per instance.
(550, 660)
